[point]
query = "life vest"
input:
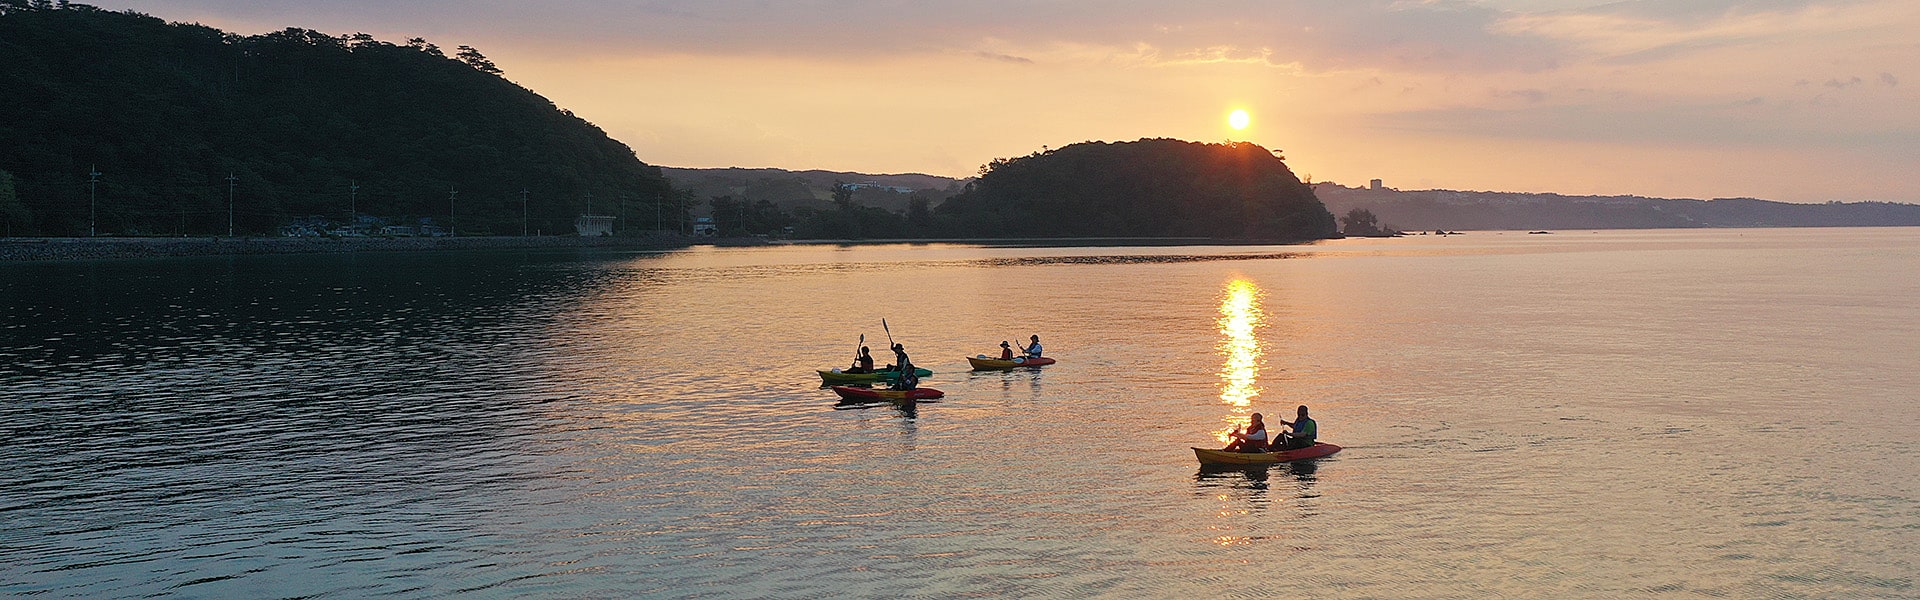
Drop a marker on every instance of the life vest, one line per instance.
(1306, 428)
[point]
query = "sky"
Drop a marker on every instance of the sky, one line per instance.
(1793, 100)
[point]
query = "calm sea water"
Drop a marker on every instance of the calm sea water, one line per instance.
(1678, 414)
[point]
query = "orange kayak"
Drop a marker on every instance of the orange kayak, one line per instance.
(982, 363)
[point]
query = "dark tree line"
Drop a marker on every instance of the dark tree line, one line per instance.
(167, 112)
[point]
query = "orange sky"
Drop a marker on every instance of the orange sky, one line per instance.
(1780, 99)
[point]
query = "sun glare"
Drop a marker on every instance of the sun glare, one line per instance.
(1238, 119)
(1240, 320)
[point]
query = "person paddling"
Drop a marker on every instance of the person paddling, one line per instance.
(1033, 349)
(908, 379)
(1254, 439)
(1305, 430)
(862, 363)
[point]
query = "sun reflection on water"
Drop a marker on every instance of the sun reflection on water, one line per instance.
(1240, 319)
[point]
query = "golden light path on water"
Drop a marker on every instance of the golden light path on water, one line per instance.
(1240, 321)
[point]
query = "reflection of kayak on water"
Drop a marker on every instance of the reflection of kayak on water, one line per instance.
(838, 376)
(982, 363)
(1223, 457)
(855, 394)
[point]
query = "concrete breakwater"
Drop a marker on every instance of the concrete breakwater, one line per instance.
(52, 249)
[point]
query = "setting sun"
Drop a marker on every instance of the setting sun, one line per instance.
(1238, 119)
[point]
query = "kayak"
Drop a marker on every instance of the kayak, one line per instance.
(982, 363)
(868, 395)
(836, 376)
(1222, 457)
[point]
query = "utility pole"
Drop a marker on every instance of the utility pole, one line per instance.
(523, 212)
(622, 220)
(656, 212)
(353, 204)
(589, 203)
(93, 177)
(230, 180)
(450, 221)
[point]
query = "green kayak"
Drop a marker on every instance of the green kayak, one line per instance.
(835, 376)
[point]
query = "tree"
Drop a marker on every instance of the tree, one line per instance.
(11, 211)
(473, 58)
(1361, 222)
(842, 195)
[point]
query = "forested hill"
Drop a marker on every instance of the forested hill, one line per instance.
(1419, 210)
(166, 112)
(1150, 187)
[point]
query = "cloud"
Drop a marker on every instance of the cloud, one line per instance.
(1887, 79)
(1320, 34)
(1005, 58)
(1652, 31)
(1841, 84)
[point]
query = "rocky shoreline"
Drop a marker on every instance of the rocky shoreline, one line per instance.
(58, 249)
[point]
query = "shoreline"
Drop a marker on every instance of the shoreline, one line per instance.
(69, 249)
(25, 249)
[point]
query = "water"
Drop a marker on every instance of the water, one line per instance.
(1722, 413)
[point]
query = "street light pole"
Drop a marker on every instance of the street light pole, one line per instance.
(450, 221)
(230, 180)
(93, 177)
(353, 204)
(523, 212)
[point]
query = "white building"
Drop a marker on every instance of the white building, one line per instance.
(593, 225)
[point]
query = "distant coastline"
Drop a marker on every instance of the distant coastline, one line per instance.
(40, 249)
(20, 249)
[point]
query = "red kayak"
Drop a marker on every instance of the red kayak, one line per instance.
(1222, 457)
(857, 394)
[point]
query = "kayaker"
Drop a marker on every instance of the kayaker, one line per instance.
(908, 379)
(1006, 350)
(1254, 439)
(1303, 434)
(863, 363)
(1033, 349)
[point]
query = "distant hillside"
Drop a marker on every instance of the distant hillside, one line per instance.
(166, 112)
(1146, 188)
(1425, 210)
(811, 189)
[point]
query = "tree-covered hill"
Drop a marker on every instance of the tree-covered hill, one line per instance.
(1457, 210)
(1146, 188)
(166, 112)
